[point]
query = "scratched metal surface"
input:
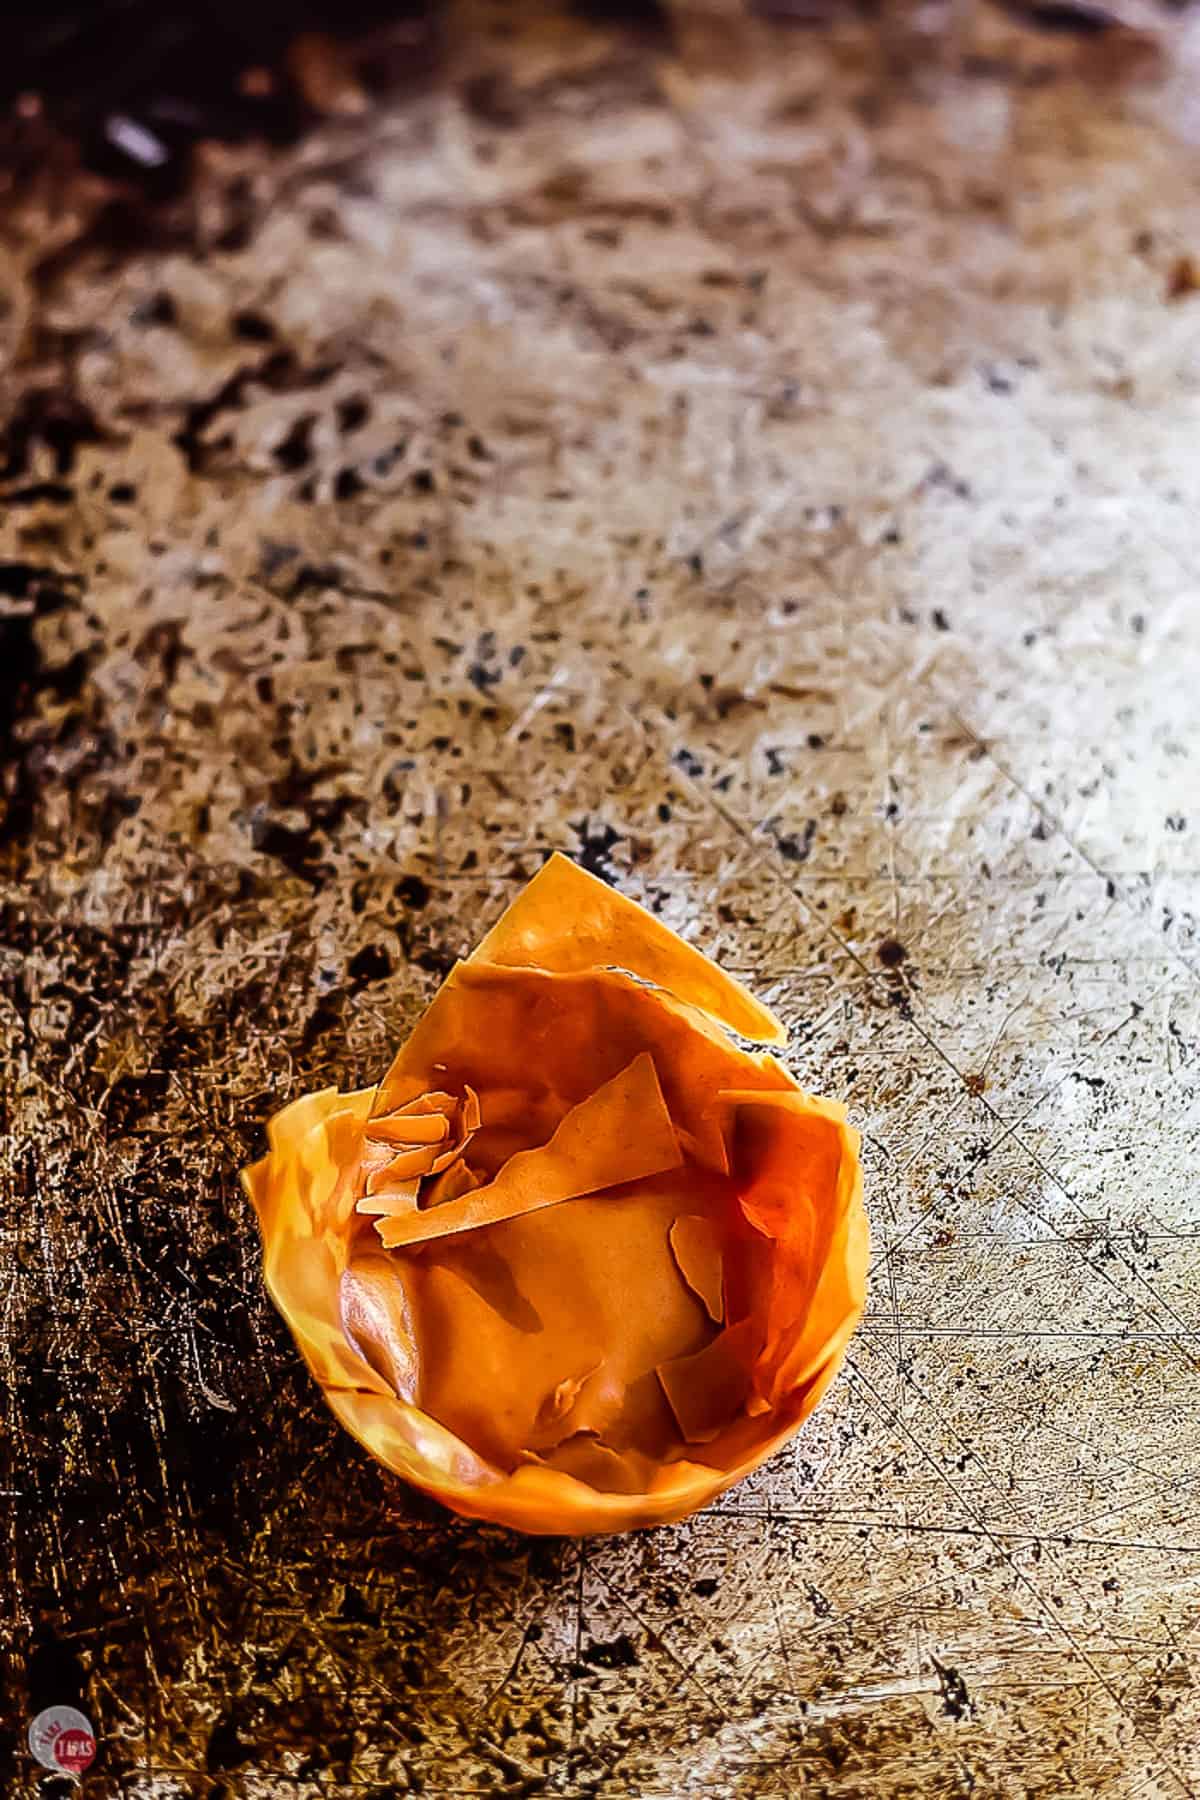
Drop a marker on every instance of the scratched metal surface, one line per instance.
(778, 486)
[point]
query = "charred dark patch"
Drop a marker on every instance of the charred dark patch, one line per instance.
(615, 1653)
(596, 844)
(252, 328)
(303, 850)
(352, 414)
(29, 737)
(279, 372)
(372, 963)
(413, 892)
(294, 449)
(348, 484)
(40, 493)
(956, 1698)
(1073, 18)
(795, 848)
(50, 418)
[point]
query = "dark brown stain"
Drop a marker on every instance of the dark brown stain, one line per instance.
(49, 416)
(1183, 278)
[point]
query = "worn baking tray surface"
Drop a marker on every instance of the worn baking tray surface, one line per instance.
(769, 481)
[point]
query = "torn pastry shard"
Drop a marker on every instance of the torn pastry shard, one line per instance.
(696, 1245)
(580, 1261)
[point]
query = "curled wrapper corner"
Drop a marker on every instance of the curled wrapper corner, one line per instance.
(579, 1262)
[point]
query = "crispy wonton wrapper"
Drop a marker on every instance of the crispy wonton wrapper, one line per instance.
(579, 1262)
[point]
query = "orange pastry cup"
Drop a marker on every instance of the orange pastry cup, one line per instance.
(579, 1262)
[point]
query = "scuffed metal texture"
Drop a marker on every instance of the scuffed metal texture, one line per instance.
(772, 480)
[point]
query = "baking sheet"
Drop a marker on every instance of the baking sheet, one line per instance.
(772, 484)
